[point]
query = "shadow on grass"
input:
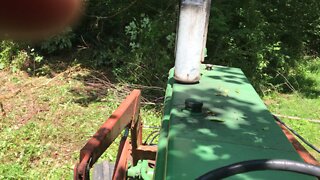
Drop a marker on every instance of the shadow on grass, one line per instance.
(94, 91)
(306, 86)
(98, 88)
(98, 81)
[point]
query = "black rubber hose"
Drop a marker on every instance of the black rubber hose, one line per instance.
(297, 134)
(149, 136)
(153, 138)
(263, 164)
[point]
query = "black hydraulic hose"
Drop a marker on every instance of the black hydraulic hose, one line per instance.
(262, 164)
(297, 134)
(149, 136)
(154, 137)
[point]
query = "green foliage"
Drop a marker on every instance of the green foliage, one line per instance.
(136, 38)
(143, 52)
(12, 56)
(263, 38)
(8, 50)
(132, 38)
(12, 171)
(58, 42)
(19, 61)
(17, 57)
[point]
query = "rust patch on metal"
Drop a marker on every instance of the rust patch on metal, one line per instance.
(126, 113)
(304, 154)
(122, 160)
(147, 152)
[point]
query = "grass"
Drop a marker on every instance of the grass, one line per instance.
(49, 120)
(303, 103)
(294, 105)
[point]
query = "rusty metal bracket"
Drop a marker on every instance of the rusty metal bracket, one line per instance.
(146, 152)
(127, 113)
(122, 159)
(126, 116)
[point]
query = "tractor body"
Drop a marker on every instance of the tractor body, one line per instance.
(212, 117)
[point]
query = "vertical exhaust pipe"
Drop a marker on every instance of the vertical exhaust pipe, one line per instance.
(191, 39)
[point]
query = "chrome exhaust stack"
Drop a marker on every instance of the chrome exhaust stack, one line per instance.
(191, 39)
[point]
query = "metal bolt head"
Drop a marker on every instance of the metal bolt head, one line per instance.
(193, 105)
(209, 67)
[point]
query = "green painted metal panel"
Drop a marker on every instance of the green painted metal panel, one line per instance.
(234, 126)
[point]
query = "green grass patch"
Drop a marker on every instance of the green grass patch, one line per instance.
(295, 105)
(304, 102)
(50, 120)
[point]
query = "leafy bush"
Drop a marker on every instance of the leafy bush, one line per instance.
(263, 38)
(8, 50)
(58, 42)
(135, 39)
(148, 53)
(17, 56)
